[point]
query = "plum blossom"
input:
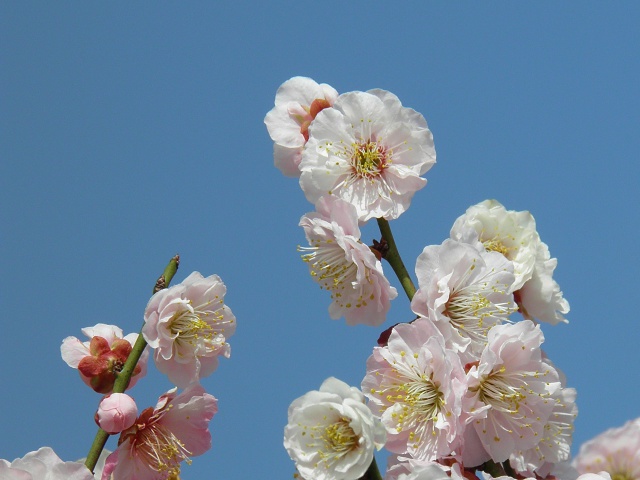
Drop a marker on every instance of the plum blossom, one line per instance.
(616, 451)
(554, 446)
(514, 235)
(188, 326)
(513, 390)
(43, 464)
(464, 291)
(163, 437)
(345, 266)
(370, 151)
(100, 360)
(406, 468)
(331, 434)
(298, 101)
(116, 412)
(540, 297)
(416, 386)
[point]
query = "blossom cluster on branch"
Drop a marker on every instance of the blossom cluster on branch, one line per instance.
(462, 390)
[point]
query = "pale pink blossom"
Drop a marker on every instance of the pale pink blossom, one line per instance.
(512, 389)
(43, 464)
(163, 437)
(370, 151)
(331, 433)
(345, 266)
(416, 386)
(616, 451)
(116, 412)
(554, 446)
(188, 325)
(465, 291)
(298, 101)
(100, 360)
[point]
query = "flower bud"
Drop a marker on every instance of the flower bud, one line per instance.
(117, 412)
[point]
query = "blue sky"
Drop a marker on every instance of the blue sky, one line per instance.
(131, 132)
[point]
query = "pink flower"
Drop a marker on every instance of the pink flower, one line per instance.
(298, 101)
(163, 437)
(465, 292)
(188, 326)
(370, 151)
(43, 464)
(416, 385)
(345, 266)
(100, 360)
(116, 413)
(616, 451)
(513, 390)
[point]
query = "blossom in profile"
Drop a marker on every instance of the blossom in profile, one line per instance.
(116, 412)
(465, 291)
(416, 386)
(100, 360)
(616, 451)
(512, 388)
(188, 325)
(43, 464)
(331, 433)
(345, 266)
(370, 151)
(163, 437)
(514, 234)
(298, 101)
(540, 297)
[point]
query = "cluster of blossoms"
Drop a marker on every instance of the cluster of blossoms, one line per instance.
(464, 385)
(187, 326)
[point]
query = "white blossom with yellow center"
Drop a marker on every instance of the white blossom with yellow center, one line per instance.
(331, 433)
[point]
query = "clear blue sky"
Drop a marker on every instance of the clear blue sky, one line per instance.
(131, 132)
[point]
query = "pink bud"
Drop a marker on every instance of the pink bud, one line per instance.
(116, 413)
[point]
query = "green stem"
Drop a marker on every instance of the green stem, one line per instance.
(124, 376)
(392, 255)
(372, 472)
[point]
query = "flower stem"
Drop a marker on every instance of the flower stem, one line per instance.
(372, 472)
(124, 376)
(392, 255)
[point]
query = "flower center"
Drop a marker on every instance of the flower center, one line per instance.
(160, 449)
(339, 437)
(368, 159)
(190, 329)
(495, 245)
(329, 267)
(470, 310)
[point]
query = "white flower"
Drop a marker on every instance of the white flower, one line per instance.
(540, 297)
(514, 235)
(370, 151)
(332, 434)
(345, 266)
(500, 230)
(188, 325)
(416, 386)
(43, 464)
(464, 291)
(298, 101)
(513, 389)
